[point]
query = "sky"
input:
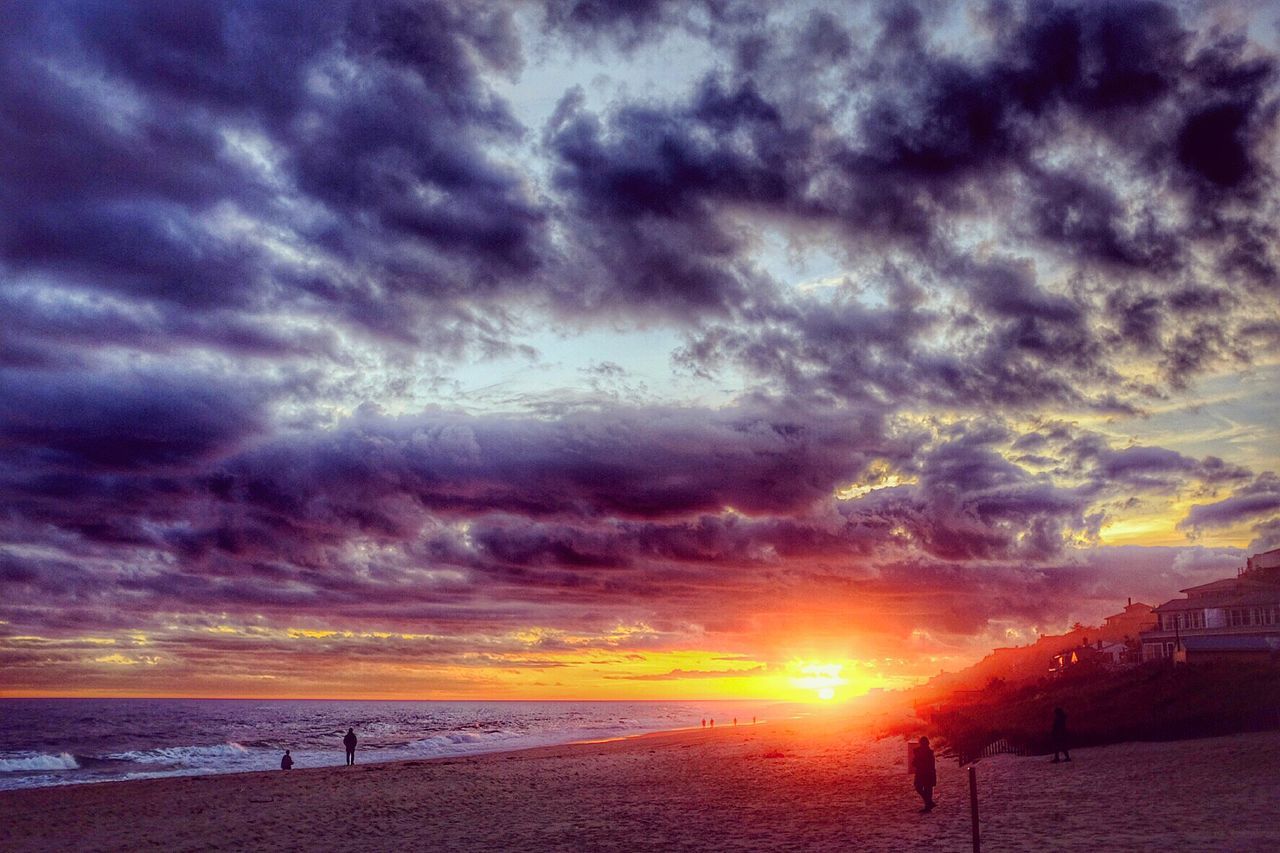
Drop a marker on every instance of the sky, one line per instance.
(577, 349)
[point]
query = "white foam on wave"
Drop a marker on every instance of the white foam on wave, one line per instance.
(200, 756)
(445, 741)
(29, 761)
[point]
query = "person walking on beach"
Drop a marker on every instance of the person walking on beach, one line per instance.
(286, 761)
(349, 741)
(926, 774)
(1059, 735)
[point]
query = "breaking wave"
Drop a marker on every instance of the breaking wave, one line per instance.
(29, 761)
(200, 756)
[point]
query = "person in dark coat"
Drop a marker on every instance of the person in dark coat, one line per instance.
(926, 774)
(1059, 735)
(349, 741)
(286, 761)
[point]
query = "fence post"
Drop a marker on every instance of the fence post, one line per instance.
(973, 808)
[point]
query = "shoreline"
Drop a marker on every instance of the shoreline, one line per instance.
(197, 738)
(814, 784)
(478, 754)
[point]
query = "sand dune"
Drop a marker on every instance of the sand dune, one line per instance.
(812, 785)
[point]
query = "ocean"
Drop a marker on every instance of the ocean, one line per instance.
(67, 741)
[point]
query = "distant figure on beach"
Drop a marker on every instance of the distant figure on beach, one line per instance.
(286, 761)
(713, 722)
(1060, 735)
(349, 741)
(735, 721)
(753, 721)
(926, 774)
(704, 722)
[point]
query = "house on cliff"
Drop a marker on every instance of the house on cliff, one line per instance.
(1128, 623)
(1231, 619)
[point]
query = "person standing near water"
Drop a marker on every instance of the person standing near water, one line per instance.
(349, 741)
(1059, 735)
(286, 761)
(926, 774)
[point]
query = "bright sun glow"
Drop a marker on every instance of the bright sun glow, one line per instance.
(823, 678)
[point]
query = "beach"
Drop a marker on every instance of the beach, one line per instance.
(793, 785)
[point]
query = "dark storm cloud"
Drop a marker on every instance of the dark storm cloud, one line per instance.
(630, 23)
(1254, 501)
(1009, 135)
(1138, 467)
(460, 523)
(972, 504)
(1267, 536)
(592, 510)
(616, 463)
(274, 527)
(644, 193)
(149, 147)
(122, 421)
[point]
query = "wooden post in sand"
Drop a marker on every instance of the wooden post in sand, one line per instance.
(973, 808)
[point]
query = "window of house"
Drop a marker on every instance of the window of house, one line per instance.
(1243, 616)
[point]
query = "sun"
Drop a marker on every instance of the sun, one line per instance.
(820, 677)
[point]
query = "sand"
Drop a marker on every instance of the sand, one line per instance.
(805, 786)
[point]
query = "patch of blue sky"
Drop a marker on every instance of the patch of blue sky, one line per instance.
(589, 367)
(1232, 414)
(660, 72)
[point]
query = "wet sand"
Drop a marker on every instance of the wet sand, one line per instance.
(805, 785)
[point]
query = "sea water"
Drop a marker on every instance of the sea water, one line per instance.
(64, 741)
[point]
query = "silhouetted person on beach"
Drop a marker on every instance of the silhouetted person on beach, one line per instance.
(713, 722)
(704, 722)
(735, 721)
(349, 741)
(926, 774)
(286, 761)
(1059, 735)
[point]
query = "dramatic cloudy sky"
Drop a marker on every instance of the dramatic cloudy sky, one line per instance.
(622, 349)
